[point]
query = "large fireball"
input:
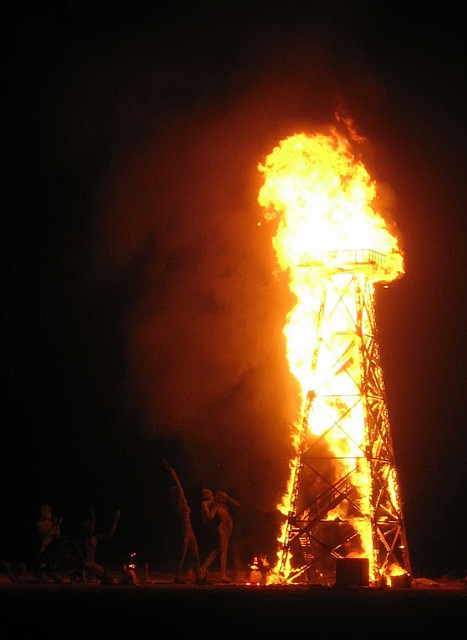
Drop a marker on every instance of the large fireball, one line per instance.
(324, 199)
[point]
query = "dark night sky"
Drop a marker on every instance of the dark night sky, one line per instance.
(141, 318)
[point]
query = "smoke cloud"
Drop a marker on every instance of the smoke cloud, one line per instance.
(205, 349)
(204, 345)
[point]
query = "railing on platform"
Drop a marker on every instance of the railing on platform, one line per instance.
(342, 258)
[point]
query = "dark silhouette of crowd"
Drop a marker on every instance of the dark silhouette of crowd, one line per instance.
(49, 556)
(53, 558)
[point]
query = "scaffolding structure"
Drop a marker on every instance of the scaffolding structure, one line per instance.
(344, 500)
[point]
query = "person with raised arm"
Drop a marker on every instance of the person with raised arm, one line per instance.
(88, 547)
(190, 542)
(216, 509)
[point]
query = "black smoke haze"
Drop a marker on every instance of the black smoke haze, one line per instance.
(203, 333)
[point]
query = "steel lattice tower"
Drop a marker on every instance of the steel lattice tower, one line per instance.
(344, 500)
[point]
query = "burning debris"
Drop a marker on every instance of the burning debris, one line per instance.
(259, 571)
(129, 571)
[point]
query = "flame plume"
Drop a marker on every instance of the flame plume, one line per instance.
(334, 246)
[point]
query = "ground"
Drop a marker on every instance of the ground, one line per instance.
(158, 607)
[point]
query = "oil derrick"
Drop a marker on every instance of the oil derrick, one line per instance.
(344, 494)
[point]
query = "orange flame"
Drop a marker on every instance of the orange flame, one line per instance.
(324, 202)
(323, 196)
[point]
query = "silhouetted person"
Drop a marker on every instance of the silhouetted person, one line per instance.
(7, 568)
(48, 530)
(88, 547)
(190, 543)
(217, 510)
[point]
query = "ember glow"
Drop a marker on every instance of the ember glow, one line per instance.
(334, 245)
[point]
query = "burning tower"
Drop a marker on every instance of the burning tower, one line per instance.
(342, 501)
